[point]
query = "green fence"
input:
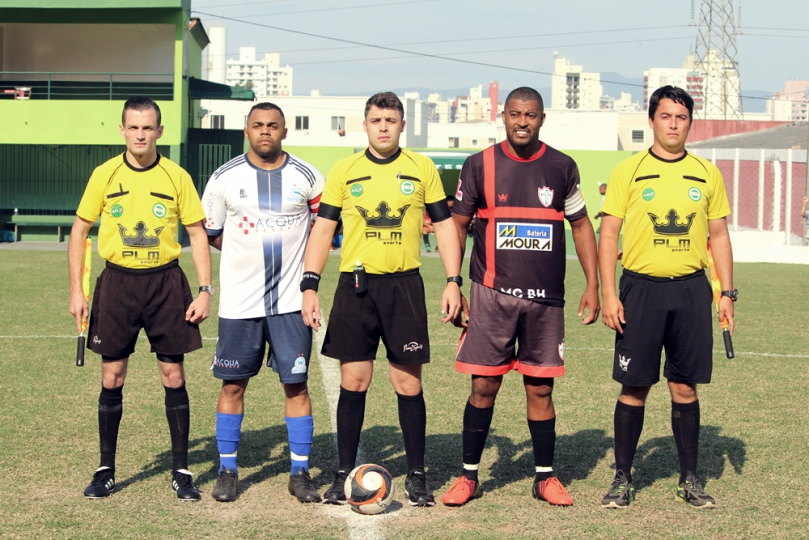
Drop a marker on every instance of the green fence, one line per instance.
(85, 85)
(40, 179)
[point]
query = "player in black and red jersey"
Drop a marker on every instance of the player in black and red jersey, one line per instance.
(522, 190)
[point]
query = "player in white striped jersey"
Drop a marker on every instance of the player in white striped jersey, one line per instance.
(258, 209)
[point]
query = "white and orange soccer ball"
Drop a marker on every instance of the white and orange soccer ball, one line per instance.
(369, 489)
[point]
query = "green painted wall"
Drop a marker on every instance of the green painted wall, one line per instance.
(322, 157)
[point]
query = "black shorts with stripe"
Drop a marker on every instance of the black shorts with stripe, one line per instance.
(393, 309)
(155, 299)
(671, 314)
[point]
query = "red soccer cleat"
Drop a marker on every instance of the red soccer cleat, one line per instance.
(462, 491)
(553, 491)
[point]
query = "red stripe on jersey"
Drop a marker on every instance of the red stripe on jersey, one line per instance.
(517, 158)
(520, 212)
(314, 204)
(488, 189)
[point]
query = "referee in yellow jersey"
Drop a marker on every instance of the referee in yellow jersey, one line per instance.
(140, 197)
(382, 194)
(670, 201)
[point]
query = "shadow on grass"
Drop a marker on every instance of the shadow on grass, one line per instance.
(656, 459)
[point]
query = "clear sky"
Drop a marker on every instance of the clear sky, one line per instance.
(512, 42)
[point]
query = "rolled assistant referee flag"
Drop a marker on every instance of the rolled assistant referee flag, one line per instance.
(86, 266)
(717, 295)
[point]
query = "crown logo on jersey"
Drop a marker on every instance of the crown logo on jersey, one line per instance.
(140, 239)
(672, 226)
(383, 220)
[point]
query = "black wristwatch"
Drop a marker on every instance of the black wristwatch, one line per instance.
(733, 294)
(206, 288)
(456, 279)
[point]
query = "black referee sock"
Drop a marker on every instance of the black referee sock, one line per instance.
(350, 416)
(413, 421)
(110, 410)
(628, 427)
(476, 423)
(179, 417)
(685, 426)
(543, 437)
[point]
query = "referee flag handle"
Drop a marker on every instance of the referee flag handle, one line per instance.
(717, 295)
(86, 266)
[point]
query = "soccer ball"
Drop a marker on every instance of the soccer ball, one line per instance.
(369, 489)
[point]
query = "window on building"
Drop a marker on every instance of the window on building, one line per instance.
(453, 142)
(492, 141)
(474, 142)
(637, 135)
(301, 122)
(218, 121)
(338, 123)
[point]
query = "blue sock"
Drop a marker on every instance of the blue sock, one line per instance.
(228, 429)
(301, 430)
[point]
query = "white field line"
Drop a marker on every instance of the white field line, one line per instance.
(360, 527)
(336, 390)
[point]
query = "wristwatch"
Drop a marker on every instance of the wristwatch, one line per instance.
(206, 288)
(456, 279)
(733, 294)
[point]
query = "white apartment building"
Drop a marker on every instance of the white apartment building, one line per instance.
(317, 120)
(790, 105)
(266, 76)
(573, 88)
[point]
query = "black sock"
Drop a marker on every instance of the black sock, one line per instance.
(413, 421)
(543, 437)
(179, 417)
(426, 238)
(110, 410)
(685, 426)
(628, 427)
(476, 423)
(350, 416)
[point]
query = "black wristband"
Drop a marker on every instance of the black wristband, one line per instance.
(310, 280)
(456, 279)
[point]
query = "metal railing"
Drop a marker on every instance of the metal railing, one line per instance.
(85, 85)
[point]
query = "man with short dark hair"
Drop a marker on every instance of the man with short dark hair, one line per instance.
(140, 197)
(382, 194)
(522, 190)
(671, 201)
(259, 206)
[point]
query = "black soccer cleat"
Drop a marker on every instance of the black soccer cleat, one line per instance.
(336, 494)
(102, 485)
(621, 492)
(417, 491)
(300, 485)
(227, 486)
(692, 492)
(181, 483)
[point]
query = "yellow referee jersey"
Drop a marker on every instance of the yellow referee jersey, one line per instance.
(665, 205)
(382, 202)
(139, 210)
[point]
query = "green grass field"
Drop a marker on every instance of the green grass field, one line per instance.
(754, 449)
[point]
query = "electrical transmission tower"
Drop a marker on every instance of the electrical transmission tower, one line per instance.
(717, 62)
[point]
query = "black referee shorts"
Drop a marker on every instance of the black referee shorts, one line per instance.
(393, 309)
(155, 299)
(664, 313)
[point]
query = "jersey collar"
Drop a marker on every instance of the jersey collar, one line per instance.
(382, 161)
(149, 168)
(535, 157)
(675, 160)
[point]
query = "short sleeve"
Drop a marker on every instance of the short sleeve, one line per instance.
(718, 206)
(316, 192)
(466, 195)
(434, 189)
(92, 202)
(214, 207)
(333, 189)
(575, 208)
(189, 205)
(617, 197)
